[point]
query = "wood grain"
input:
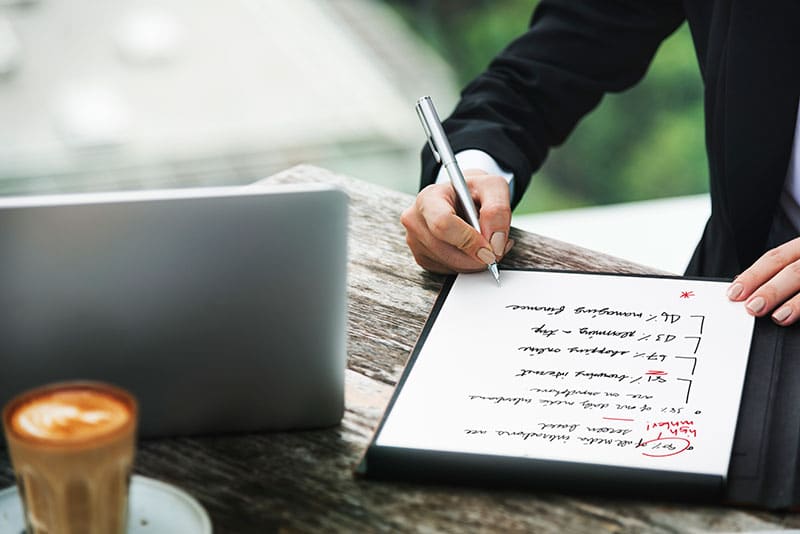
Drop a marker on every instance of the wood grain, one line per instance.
(303, 481)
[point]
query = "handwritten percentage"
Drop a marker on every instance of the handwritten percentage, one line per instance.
(662, 447)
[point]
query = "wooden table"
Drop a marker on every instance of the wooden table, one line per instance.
(303, 481)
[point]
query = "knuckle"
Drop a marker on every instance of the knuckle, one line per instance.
(440, 225)
(427, 190)
(433, 191)
(498, 181)
(485, 182)
(407, 218)
(794, 268)
(777, 256)
(768, 291)
(495, 211)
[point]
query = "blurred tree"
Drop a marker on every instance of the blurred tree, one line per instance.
(645, 143)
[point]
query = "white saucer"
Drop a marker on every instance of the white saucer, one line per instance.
(154, 508)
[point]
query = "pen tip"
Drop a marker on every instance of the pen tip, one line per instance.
(495, 273)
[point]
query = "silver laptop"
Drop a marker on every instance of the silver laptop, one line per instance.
(222, 310)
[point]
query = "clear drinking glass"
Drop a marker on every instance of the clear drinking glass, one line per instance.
(72, 447)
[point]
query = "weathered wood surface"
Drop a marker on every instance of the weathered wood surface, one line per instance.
(302, 481)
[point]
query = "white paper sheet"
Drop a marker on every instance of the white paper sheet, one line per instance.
(618, 370)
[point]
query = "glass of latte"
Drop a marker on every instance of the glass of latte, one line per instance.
(72, 448)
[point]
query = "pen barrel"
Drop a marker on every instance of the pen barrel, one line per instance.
(464, 196)
(443, 152)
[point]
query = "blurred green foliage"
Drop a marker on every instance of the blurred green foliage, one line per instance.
(647, 142)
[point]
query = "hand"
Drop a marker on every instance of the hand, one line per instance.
(443, 242)
(772, 283)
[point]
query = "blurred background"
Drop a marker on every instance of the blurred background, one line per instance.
(125, 94)
(645, 143)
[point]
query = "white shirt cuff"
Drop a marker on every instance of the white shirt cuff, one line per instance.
(478, 159)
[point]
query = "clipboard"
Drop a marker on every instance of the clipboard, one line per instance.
(764, 448)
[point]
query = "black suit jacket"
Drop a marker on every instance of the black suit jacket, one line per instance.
(535, 91)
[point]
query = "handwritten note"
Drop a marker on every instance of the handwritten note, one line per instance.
(615, 370)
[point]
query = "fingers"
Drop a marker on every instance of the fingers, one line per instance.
(492, 196)
(447, 263)
(772, 284)
(439, 237)
(788, 313)
(444, 262)
(443, 242)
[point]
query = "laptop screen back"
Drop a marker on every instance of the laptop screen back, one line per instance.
(220, 309)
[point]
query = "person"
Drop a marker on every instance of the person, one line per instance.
(535, 91)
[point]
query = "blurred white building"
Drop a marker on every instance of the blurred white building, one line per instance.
(126, 94)
(659, 233)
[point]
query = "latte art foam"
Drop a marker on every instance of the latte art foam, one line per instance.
(70, 415)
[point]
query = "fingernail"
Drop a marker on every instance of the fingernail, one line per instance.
(498, 242)
(510, 243)
(735, 290)
(487, 256)
(756, 305)
(782, 314)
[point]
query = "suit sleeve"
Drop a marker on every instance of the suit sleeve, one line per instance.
(534, 93)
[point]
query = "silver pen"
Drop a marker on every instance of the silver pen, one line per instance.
(440, 147)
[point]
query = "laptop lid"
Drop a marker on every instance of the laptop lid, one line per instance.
(221, 309)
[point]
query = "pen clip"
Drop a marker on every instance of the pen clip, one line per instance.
(428, 134)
